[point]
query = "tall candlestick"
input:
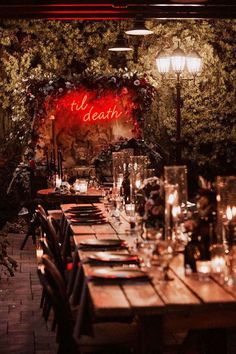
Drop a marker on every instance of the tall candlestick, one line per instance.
(58, 163)
(51, 163)
(61, 171)
(47, 161)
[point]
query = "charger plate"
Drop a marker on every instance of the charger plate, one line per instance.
(88, 221)
(113, 257)
(93, 243)
(118, 274)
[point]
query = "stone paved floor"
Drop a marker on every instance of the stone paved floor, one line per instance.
(22, 328)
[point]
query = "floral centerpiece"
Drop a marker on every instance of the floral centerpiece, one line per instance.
(150, 203)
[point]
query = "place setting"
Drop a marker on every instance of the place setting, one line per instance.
(112, 258)
(118, 275)
(102, 244)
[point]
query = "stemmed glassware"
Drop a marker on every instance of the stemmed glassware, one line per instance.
(226, 223)
(145, 250)
(166, 250)
(147, 244)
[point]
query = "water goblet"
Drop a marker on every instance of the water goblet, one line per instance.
(145, 249)
(165, 250)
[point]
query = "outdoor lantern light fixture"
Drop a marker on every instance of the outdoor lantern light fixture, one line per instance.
(163, 62)
(178, 60)
(194, 62)
(120, 45)
(178, 63)
(139, 29)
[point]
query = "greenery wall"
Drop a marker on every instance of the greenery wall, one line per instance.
(39, 50)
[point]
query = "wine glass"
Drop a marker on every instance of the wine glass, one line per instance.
(145, 249)
(165, 250)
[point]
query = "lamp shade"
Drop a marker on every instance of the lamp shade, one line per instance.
(120, 45)
(178, 60)
(194, 62)
(162, 62)
(139, 29)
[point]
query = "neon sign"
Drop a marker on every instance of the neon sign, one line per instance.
(93, 115)
(83, 106)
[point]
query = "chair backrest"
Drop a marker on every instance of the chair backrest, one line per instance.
(55, 277)
(53, 247)
(42, 210)
(55, 289)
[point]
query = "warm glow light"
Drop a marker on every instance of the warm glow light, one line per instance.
(234, 211)
(120, 180)
(120, 45)
(81, 186)
(176, 211)
(139, 32)
(178, 60)
(58, 181)
(171, 199)
(138, 183)
(218, 264)
(139, 28)
(194, 62)
(229, 213)
(84, 106)
(163, 62)
(120, 49)
(203, 267)
(39, 254)
(142, 31)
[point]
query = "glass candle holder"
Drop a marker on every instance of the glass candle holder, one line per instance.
(120, 179)
(177, 175)
(126, 158)
(77, 186)
(218, 260)
(58, 182)
(138, 169)
(130, 209)
(172, 209)
(226, 210)
(118, 169)
(203, 269)
(81, 186)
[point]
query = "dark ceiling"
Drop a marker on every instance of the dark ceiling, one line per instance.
(117, 9)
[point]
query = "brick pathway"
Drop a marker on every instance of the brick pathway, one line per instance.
(22, 328)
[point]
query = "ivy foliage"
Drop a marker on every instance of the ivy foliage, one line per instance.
(47, 50)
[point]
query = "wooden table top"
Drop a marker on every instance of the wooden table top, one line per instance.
(51, 192)
(184, 303)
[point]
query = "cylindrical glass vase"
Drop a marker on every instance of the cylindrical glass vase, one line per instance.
(177, 175)
(138, 170)
(226, 210)
(118, 170)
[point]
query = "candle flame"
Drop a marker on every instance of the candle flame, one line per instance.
(171, 199)
(229, 213)
(176, 211)
(138, 183)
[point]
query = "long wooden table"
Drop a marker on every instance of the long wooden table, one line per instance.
(50, 197)
(183, 304)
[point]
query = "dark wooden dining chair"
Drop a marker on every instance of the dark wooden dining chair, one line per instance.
(52, 246)
(31, 232)
(107, 337)
(53, 284)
